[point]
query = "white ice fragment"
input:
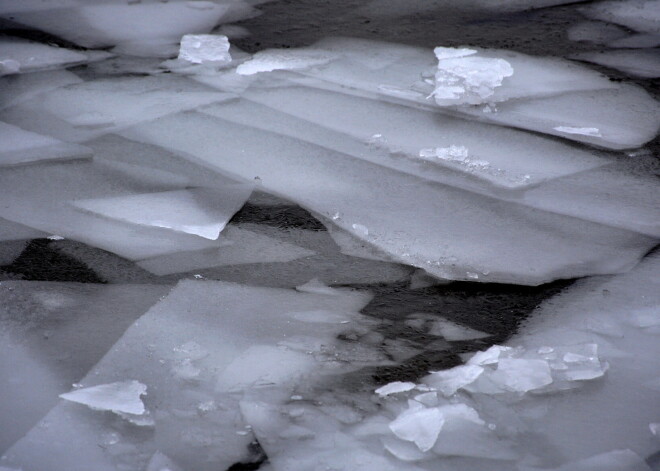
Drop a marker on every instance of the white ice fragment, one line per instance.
(490, 356)
(360, 230)
(455, 332)
(522, 375)
(120, 397)
(594, 132)
(420, 426)
(318, 287)
(394, 388)
(205, 48)
(463, 77)
(451, 380)
(654, 427)
(284, 59)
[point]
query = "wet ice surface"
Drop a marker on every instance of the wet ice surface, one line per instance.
(337, 236)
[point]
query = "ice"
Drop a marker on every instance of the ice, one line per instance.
(83, 111)
(462, 78)
(522, 375)
(233, 324)
(403, 134)
(420, 426)
(103, 24)
(616, 460)
(21, 87)
(10, 230)
(316, 286)
(450, 381)
(20, 56)
(121, 397)
(639, 15)
(595, 132)
(395, 203)
(284, 59)
(636, 41)
(20, 147)
(160, 462)
(490, 356)
(203, 212)
(595, 32)
(395, 387)
(238, 246)
(205, 48)
(455, 332)
(637, 62)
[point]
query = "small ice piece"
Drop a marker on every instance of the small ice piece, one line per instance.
(654, 427)
(455, 332)
(463, 78)
(419, 425)
(594, 132)
(394, 388)
(360, 230)
(121, 397)
(205, 48)
(284, 59)
(450, 381)
(522, 375)
(490, 356)
(582, 363)
(317, 287)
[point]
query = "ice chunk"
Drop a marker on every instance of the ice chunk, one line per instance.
(205, 48)
(122, 397)
(395, 387)
(19, 56)
(595, 132)
(455, 332)
(522, 375)
(464, 78)
(316, 286)
(284, 59)
(640, 15)
(203, 212)
(638, 62)
(420, 426)
(490, 356)
(10, 230)
(21, 147)
(451, 380)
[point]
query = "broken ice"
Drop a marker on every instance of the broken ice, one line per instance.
(122, 397)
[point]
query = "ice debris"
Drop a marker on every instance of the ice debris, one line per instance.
(583, 131)
(464, 78)
(284, 59)
(205, 48)
(395, 387)
(120, 398)
(419, 425)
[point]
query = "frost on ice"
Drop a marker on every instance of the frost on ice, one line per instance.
(464, 78)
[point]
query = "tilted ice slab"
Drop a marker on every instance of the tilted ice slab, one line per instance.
(640, 15)
(10, 230)
(108, 23)
(50, 209)
(640, 63)
(203, 212)
(196, 360)
(447, 231)
(240, 246)
(21, 147)
(21, 87)
(87, 110)
(20, 56)
(52, 334)
(411, 140)
(405, 74)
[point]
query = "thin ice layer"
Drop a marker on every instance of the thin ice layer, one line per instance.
(20, 56)
(638, 62)
(240, 246)
(103, 24)
(87, 110)
(203, 212)
(177, 350)
(403, 214)
(21, 87)
(20, 147)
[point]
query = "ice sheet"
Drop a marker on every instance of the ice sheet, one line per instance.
(640, 15)
(638, 62)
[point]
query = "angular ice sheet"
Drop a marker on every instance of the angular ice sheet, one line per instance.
(20, 147)
(397, 208)
(203, 212)
(120, 397)
(21, 87)
(178, 350)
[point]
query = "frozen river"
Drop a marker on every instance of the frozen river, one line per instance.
(329, 235)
